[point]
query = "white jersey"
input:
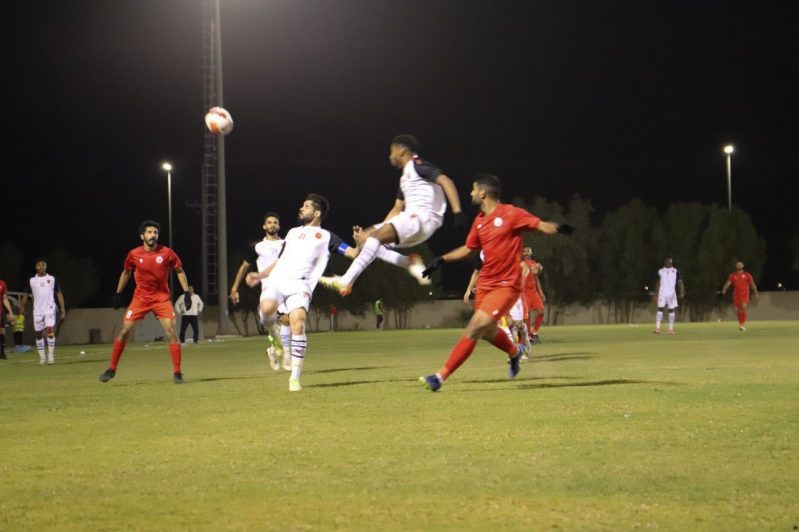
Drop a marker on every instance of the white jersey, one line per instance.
(305, 255)
(668, 281)
(264, 254)
(419, 190)
(44, 289)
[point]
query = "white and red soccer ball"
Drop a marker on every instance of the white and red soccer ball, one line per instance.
(219, 121)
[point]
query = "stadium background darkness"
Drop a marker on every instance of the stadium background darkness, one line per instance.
(560, 98)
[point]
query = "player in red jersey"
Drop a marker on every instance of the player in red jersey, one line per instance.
(741, 282)
(7, 305)
(497, 230)
(533, 294)
(150, 264)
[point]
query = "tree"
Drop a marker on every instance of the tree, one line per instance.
(568, 275)
(631, 242)
(77, 276)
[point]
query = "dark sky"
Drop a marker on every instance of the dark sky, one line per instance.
(611, 100)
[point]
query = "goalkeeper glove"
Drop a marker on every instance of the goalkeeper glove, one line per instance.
(116, 301)
(187, 300)
(565, 229)
(459, 220)
(435, 264)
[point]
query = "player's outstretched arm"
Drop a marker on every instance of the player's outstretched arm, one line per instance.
(234, 290)
(124, 277)
(253, 278)
(754, 288)
(451, 192)
(461, 253)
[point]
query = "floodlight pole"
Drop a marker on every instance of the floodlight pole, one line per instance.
(168, 168)
(221, 212)
(728, 150)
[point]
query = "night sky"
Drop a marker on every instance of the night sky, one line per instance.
(609, 100)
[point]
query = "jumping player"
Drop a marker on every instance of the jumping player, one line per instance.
(417, 213)
(497, 230)
(6, 304)
(45, 290)
(741, 282)
(291, 279)
(150, 264)
(668, 283)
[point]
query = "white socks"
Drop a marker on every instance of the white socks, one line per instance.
(658, 319)
(285, 338)
(299, 343)
(364, 259)
(40, 349)
(672, 318)
(392, 257)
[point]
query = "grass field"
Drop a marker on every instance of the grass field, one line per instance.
(607, 428)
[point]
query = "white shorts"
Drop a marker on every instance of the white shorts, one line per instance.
(517, 310)
(281, 308)
(413, 228)
(42, 321)
(290, 294)
(667, 301)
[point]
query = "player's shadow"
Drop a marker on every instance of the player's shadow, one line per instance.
(558, 357)
(581, 384)
(337, 370)
(356, 383)
(187, 381)
(82, 361)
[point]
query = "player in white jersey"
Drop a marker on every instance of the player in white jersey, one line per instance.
(668, 283)
(291, 279)
(417, 213)
(263, 254)
(45, 291)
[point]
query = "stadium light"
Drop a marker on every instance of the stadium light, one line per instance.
(167, 167)
(728, 150)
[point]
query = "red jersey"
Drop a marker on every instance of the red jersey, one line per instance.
(151, 272)
(499, 235)
(531, 280)
(740, 282)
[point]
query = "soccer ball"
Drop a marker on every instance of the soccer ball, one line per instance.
(219, 121)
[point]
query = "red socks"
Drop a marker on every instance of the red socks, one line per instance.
(741, 318)
(116, 353)
(503, 343)
(539, 319)
(174, 350)
(462, 350)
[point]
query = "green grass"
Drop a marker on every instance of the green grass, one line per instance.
(607, 428)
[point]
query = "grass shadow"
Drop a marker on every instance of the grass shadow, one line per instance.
(337, 370)
(539, 386)
(355, 383)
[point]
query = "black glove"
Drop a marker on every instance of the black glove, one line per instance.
(459, 220)
(187, 300)
(435, 264)
(116, 301)
(565, 229)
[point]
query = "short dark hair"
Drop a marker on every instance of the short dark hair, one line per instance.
(490, 183)
(271, 215)
(149, 223)
(320, 202)
(40, 259)
(409, 141)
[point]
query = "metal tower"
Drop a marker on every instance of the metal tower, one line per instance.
(214, 211)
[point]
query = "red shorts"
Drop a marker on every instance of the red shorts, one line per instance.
(139, 309)
(533, 302)
(496, 302)
(738, 301)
